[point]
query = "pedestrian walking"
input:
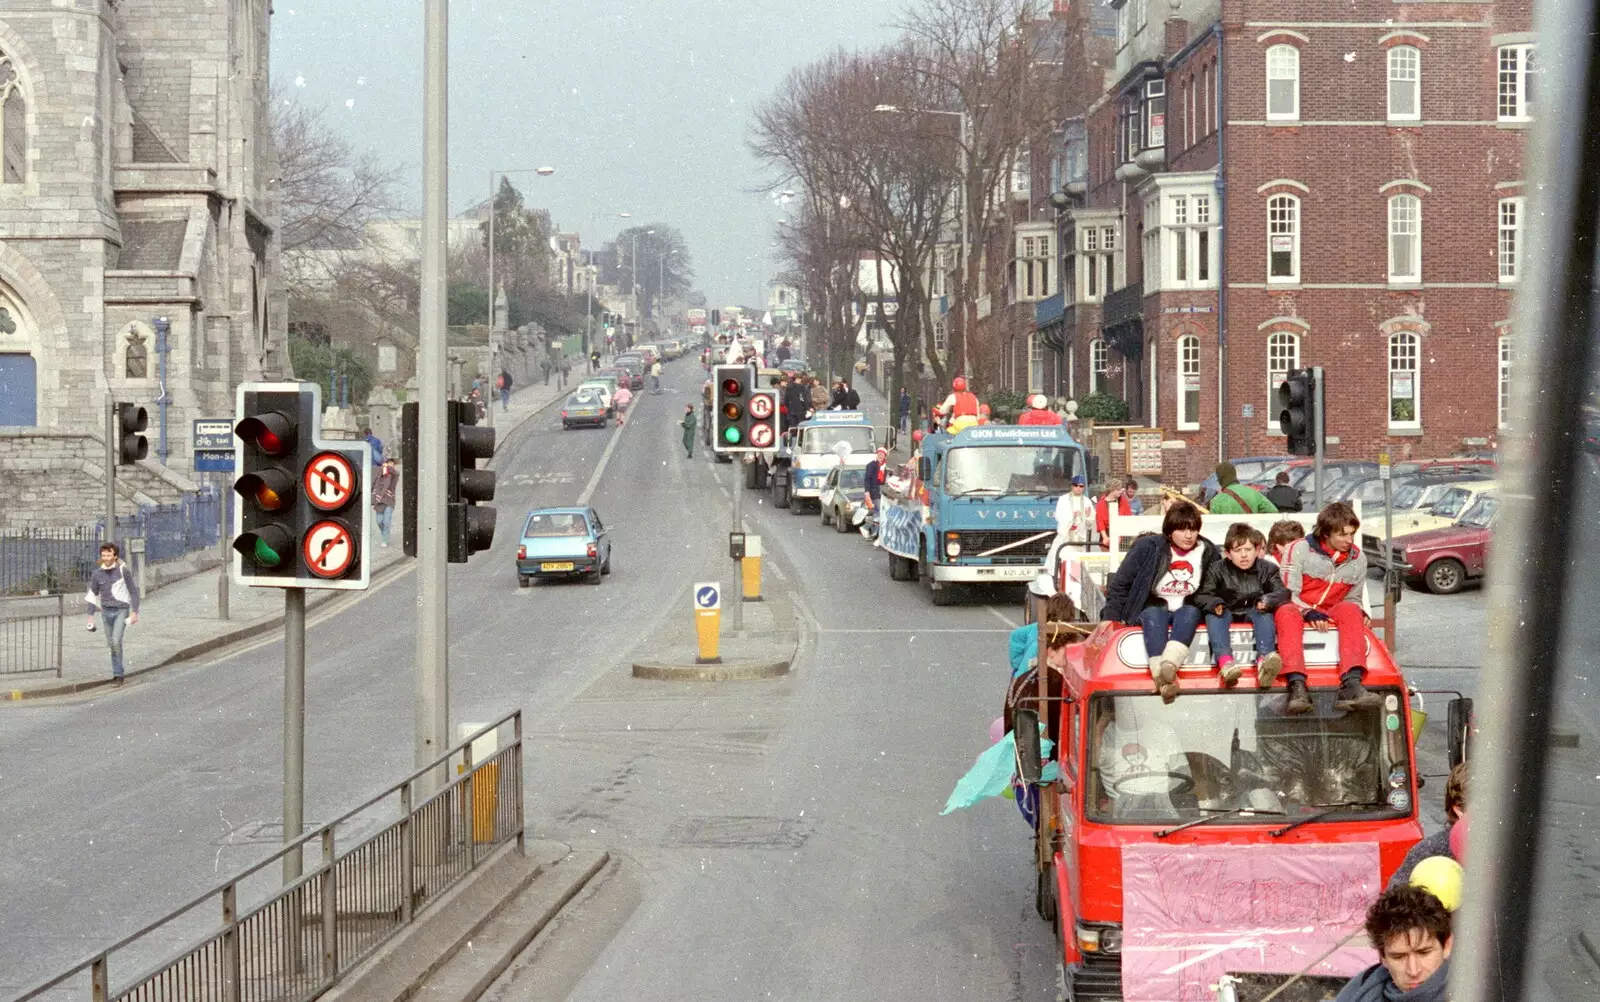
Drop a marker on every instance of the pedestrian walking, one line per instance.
(594, 361)
(904, 422)
(505, 389)
(1234, 498)
(690, 422)
(113, 595)
(377, 447)
(383, 489)
(564, 371)
(655, 376)
(544, 366)
(476, 397)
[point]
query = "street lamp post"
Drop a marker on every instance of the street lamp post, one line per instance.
(594, 274)
(966, 245)
(493, 348)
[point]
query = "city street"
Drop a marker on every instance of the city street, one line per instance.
(833, 778)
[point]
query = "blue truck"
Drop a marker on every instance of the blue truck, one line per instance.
(796, 470)
(981, 508)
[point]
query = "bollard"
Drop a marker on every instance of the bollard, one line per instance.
(707, 600)
(750, 568)
(480, 794)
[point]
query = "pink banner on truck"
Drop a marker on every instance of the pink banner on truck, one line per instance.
(1191, 913)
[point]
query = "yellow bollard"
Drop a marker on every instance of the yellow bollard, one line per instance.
(707, 598)
(751, 568)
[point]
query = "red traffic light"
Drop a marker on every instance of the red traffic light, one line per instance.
(733, 386)
(272, 433)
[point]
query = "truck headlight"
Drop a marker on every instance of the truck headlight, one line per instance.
(1098, 938)
(952, 544)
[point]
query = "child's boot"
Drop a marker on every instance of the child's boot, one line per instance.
(1267, 670)
(1167, 678)
(1229, 670)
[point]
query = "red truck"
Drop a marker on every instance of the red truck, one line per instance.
(1217, 835)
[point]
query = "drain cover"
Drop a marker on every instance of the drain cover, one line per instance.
(742, 832)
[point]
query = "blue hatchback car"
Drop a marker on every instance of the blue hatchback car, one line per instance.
(563, 543)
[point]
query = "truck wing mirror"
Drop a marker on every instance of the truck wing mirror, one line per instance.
(924, 469)
(1458, 718)
(1029, 758)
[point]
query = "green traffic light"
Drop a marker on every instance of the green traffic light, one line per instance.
(265, 555)
(731, 436)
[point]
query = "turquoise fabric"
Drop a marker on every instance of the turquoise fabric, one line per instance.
(1024, 648)
(992, 774)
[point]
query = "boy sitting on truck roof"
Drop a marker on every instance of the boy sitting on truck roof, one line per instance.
(1326, 576)
(1243, 586)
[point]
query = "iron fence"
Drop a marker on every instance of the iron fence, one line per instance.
(30, 633)
(295, 940)
(39, 561)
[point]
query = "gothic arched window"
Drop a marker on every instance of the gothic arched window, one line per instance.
(13, 125)
(138, 357)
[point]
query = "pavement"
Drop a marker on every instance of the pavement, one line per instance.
(180, 621)
(773, 837)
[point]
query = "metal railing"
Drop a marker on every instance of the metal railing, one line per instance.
(34, 561)
(31, 628)
(293, 942)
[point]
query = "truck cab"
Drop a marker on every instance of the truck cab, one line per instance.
(1218, 834)
(798, 468)
(980, 507)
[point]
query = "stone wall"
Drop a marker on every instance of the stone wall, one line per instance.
(73, 492)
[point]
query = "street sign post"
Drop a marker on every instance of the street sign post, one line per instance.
(707, 602)
(1390, 573)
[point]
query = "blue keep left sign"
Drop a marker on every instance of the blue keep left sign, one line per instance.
(707, 595)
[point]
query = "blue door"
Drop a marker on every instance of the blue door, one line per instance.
(18, 390)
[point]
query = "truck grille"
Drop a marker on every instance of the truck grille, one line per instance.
(981, 540)
(1098, 979)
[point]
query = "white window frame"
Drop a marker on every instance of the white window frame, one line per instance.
(1035, 363)
(1503, 382)
(1399, 207)
(1288, 227)
(1099, 362)
(1405, 74)
(1150, 244)
(1141, 14)
(1514, 70)
(1405, 355)
(1188, 359)
(1287, 58)
(1283, 357)
(1509, 215)
(1155, 104)
(1124, 20)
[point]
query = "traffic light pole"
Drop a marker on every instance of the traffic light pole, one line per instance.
(1318, 397)
(294, 726)
(433, 679)
(111, 470)
(737, 602)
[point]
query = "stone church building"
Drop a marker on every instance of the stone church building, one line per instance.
(138, 245)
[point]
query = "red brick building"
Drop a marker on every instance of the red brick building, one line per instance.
(1324, 183)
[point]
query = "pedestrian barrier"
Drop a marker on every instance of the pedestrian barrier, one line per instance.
(256, 942)
(30, 634)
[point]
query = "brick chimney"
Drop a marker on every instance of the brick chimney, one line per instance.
(1177, 36)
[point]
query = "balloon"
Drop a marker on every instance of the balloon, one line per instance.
(1458, 838)
(1441, 877)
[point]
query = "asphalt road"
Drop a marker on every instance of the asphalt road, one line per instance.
(784, 837)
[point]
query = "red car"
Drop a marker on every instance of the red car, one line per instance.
(1444, 560)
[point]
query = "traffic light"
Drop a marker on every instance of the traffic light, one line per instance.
(716, 318)
(471, 524)
(301, 512)
(1299, 411)
(131, 419)
(734, 384)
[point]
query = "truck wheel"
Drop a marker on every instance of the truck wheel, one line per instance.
(798, 506)
(1445, 577)
(780, 496)
(943, 594)
(896, 568)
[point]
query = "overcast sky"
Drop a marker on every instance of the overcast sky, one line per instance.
(642, 106)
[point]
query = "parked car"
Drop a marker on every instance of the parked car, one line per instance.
(1302, 474)
(563, 543)
(635, 369)
(673, 348)
(1408, 493)
(841, 494)
(1453, 502)
(651, 354)
(1247, 467)
(584, 409)
(792, 365)
(1444, 560)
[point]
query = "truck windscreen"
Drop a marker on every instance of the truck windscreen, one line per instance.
(818, 441)
(1152, 763)
(1010, 469)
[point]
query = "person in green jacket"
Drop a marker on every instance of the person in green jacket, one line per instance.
(1234, 498)
(690, 422)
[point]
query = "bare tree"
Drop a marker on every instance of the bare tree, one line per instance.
(329, 191)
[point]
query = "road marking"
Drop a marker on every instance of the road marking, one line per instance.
(599, 471)
(1003, 617)
(945, 630)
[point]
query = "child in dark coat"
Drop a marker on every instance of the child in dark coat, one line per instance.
(1243, 586)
